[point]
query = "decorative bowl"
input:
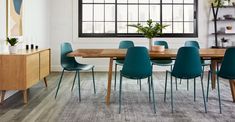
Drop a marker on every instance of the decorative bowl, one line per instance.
(158, 48)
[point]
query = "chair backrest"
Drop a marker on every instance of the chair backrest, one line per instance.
(187, 64)
(137, 64)
(162, 43)
(64, 59)
(192, 44)
(227, 69)
(126, 44)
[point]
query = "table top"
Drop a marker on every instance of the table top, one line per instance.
(120, 53)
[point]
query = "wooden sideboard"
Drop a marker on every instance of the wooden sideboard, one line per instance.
(24, 69)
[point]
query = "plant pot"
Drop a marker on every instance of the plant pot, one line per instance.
(150, 44)
(12, 49)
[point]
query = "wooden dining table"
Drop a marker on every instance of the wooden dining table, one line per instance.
(215, 55)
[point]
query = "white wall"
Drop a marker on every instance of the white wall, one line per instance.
(36, 20)
(64, 26)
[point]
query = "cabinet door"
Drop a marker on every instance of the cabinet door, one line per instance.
(44, 63)
(32, 69)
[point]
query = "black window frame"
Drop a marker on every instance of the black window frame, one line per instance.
(168, 35)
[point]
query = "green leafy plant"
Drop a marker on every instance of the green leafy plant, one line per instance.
(12, 41)
(218, 2)
(151, 30)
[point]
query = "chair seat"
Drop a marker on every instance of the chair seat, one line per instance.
(135, 75)
(78, 66)
(162, 62)
(119, 62)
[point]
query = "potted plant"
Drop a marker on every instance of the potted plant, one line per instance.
(150, 31)
(12, 42)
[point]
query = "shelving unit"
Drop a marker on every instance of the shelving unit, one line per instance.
(219, 21)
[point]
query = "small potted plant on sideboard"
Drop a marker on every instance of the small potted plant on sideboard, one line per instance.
(13, 46)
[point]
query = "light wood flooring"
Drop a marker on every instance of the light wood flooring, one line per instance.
(43, 107)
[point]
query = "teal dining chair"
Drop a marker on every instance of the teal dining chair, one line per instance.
(203, 62)
(227, 71)
(70, 64)
(187, 66)
(125, 44)
(137, 65)
(165, 62)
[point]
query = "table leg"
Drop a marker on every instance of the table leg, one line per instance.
(25, 95)
(45, 81)
(213, 79)
(109, 81)
(3, 95)
(232, 86)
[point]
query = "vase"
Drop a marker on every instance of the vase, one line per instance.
(12, 49)
(150, 44)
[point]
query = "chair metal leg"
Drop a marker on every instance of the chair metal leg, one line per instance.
(203, 70)
(176, 84)
(93, 78)
(115, 77)
(74, 81)
(120, 94)
(79, 88)
(140, 84)
(194, 89)
(171, 96)
(208, 85)
(187, 84)
(204, 100)
(149, 89)
(154, 107)
(58, 87)
(165, 86)
(218, 84)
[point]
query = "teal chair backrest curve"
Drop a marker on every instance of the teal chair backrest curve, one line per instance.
(187, 64)
(137, 64)
(192, 44)
(162, 43)
(64, 59)
(227, 69)
(125, 44)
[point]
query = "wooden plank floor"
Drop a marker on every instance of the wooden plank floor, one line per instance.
(135, 108)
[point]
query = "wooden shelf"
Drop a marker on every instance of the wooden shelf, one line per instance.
(223, 34)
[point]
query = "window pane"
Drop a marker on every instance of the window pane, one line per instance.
(143, 12)
(167, 12)
(154, 1)
(98, 1)
(122, 27)
(87, 27)
(109, 27)
(132, 1)
(109, 1)
(122, 13)
(132, 13)
(98, 12)
(98, 27)
(178, 12)
(188, 12)
(155, 12)
(87, 13)
(168, 29)
(143, 1)
(188, 27)
(178, 1)
(166, 1)
(87, 1)
(132, 29)
(109, 13)
(178, 27)
(121, 1)
(188, 1)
